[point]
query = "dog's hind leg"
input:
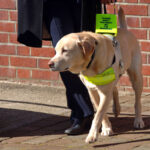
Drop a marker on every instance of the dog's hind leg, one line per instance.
(136, 78)
(116, 105)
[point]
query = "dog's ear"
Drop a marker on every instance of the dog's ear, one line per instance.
(87, 46)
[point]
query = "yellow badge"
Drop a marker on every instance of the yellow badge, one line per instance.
(106, 24)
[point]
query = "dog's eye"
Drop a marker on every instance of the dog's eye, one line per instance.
(64, 50)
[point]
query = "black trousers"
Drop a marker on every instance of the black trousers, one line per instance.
(63, 17)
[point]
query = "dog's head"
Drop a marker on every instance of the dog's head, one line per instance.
(73, 53)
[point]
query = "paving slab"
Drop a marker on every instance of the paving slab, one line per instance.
(34, 117)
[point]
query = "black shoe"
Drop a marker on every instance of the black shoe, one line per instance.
(79, 128)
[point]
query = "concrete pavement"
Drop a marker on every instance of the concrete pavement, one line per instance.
(34, 117)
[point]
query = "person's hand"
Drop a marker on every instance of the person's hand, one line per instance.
(107, 1)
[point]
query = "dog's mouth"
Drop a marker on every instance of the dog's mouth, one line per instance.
(55, 67)
(66, 69)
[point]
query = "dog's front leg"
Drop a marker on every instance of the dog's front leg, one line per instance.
(106, 126)
(96, 123)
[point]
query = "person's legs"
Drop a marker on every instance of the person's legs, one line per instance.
(78, 97)
(62, 23)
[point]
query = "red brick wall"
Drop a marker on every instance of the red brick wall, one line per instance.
(18, 62)
(21, 63)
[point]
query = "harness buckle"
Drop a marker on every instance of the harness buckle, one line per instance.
(115, 42)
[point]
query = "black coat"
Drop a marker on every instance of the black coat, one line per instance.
(31, 28)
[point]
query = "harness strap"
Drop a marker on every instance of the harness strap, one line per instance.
(108, 75)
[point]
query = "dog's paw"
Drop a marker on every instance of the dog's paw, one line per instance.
(91, 138)
(107, 132)
(139, 123)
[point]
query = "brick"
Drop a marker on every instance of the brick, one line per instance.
(23, 62)
(148, 10)
(124, 80)
(7, 27)
(145, 46)
(146, 90)
(128, 89)
(23, 50)
(144, 58)
(3, 37)
(43, 63)
(145, 22)
(131, 1)
(148, 58)
(54, 75)
(3, 15)
(148, 78)
(46, 43)
(137, 10)
(110, 9)
(13, 38)
(146, 70)
(145, 82)
(8, 4)
(139, 33)
(44, 75)
(133, 22)
(44, 139)
(8, 72)
(145, 1)
(120, 0)
(13, 15)
(4, 60)
(42, 52)
(8, 49)
(23, 74)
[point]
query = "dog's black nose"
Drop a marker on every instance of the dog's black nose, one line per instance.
(51, 64)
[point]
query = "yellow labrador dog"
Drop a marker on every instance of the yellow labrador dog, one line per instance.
(89, 54)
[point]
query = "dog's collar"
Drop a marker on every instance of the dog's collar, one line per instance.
(114, 45)
(92, 58)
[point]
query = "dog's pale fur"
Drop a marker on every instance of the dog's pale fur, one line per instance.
(73, 53)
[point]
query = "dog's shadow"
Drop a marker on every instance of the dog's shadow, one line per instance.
(124, 125)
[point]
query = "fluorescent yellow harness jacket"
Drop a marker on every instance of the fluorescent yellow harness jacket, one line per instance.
(104, 78)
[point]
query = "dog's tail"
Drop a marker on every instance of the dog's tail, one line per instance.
(122, 20)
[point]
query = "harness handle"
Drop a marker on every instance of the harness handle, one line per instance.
(105, 10)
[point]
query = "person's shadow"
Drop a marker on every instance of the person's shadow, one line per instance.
(18, 123)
